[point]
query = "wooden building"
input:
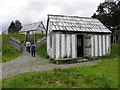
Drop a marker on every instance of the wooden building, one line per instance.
(33, 28)
(73, 36)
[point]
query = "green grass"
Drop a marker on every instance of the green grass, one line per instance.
(38, 36)
(42, 50)
(9, 53)
(103, 75)
(6, 37)
(115, 51)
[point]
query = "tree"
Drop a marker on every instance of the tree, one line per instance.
(11, 28)
(109, 14)
(18, 26)
(14, 27)
(94, 15)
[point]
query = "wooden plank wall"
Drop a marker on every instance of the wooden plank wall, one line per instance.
(100, 45)
(64, 45)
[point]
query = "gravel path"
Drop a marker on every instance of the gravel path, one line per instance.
(26, 63)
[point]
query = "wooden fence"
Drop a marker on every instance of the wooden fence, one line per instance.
(39, 41)
(15, 43)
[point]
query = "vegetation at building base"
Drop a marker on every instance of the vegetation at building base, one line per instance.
(103, 75)
(42, 50)
(9, 53)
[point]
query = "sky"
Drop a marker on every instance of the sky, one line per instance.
(30, 11)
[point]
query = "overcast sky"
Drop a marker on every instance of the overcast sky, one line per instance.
(29, 11)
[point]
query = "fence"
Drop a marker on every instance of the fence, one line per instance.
(39, 41)
(15, 43)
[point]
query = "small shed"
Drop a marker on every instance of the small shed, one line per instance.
(33, 28)
(73, 36)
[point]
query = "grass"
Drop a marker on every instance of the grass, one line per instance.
(9, 53)
(103, 75)
(6, 37)
(115, 51)
(42, 50)
(38, 36)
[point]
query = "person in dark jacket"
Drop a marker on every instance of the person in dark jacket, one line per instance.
(33, 47)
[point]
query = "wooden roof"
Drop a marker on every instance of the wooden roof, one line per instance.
(75, 23)
(32, 26)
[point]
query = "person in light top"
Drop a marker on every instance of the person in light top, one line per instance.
(28, 45)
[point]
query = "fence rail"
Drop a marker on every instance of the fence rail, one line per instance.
(39, 41)
(15, 43)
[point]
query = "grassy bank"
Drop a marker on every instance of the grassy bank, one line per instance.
(6, 37)
(42, 50)
(9, 53)
(38, 36)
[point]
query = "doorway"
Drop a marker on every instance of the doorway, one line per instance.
(80, 46)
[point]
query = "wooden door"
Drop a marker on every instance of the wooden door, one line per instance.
(79, 45)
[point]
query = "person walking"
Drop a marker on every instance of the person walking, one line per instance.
(28, 45)
(33, 49)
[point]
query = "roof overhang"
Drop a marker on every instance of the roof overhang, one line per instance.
(74, 32)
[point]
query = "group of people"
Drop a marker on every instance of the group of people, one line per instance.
(30, 48)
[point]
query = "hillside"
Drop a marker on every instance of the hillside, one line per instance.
(9, 53)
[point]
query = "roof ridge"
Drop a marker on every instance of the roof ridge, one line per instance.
(70, 16)
(32, 23)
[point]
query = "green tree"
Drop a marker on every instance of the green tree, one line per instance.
(14, 27)
(109, 14)
(18, 26)
(11, 28)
